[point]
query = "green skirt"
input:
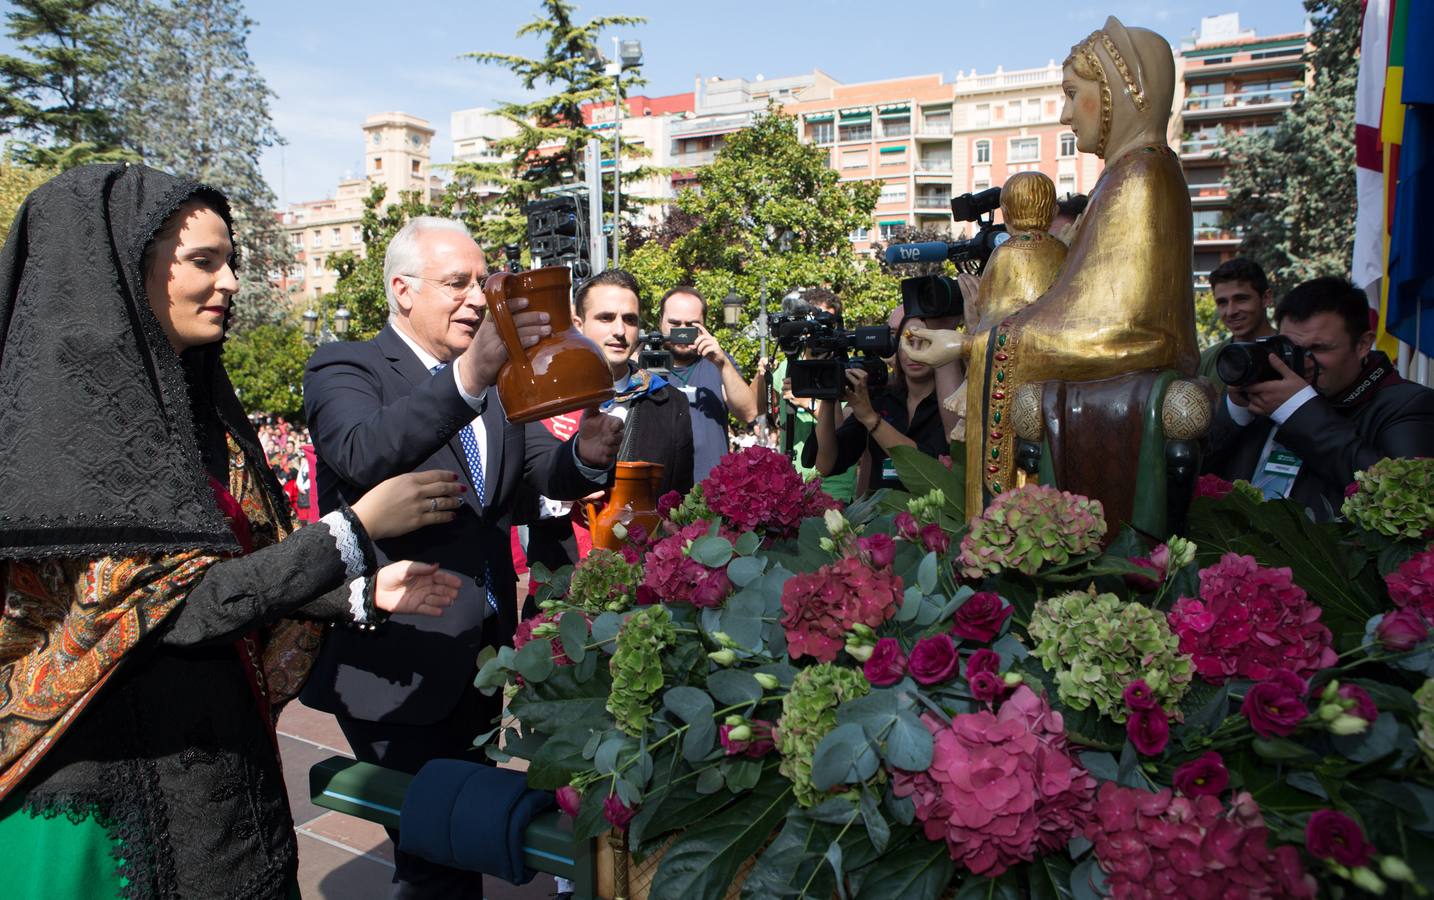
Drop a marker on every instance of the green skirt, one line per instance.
(60, 857)
(56, 857)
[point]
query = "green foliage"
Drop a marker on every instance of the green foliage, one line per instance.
(17, 180)
(1208, 329)
(266, 364)
(59, 92)
(1292, 189)
(572, 66)
(192, 102)
(768, 207)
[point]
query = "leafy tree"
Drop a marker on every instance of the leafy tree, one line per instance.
(1292, 189)
(266, 364)
(360, 287)
(548, 149)
(59, 94)
(192, 101)
(17, 180)
(768, 206)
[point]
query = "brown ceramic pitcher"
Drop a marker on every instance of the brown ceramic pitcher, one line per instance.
(633, 502)
(561, 373)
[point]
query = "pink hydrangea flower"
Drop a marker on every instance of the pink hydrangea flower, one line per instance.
(1249, 621)
(819, 608)
(1212, 486)
(1411, 586)
(758, 488)
(1166, 845)
(672, 575)
(1002, 788)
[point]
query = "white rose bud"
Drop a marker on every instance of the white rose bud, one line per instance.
(1365, 878)
(1396, 869)
(1012, 679)
(859, 652)
(767, 680)
(619, 531)
(1347, 724)
(1182, 553)
(835, 523)
(724, 657)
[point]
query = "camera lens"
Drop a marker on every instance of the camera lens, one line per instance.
(1236, 365)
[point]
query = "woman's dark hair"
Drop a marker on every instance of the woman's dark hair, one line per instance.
(620, 278)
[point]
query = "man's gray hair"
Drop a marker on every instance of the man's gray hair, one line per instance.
(403, 256)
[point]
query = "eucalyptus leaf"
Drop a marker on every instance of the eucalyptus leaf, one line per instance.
(709, 781)
(902, 809)
(535, 660)
(926, 574)
(910, 605)
(844, 756)
(573, 629)
(909, 745)
(606, 759)
(605, 628)
(744, 570)
(688, 703)
(741, 774)
(699, 740)
(1378, 740)
(711, 551)
(1087, 880)
(747, 543)
(733, 686)
(1100, 764)
(836, 811)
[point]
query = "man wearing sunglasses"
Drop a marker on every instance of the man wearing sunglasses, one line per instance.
(419, 397)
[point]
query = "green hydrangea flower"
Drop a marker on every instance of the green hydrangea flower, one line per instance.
(1425, 698)
(636, 667)
(808, 714)
(1248, 491)
(1096, 644)
(692, 509)
(1395, 498)
(1030, 528)
(604, 582)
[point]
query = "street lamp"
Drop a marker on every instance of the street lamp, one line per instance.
(731, 310)
(626, 55)
(317, 332)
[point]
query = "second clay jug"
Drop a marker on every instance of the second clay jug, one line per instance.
(633, 502)
(561, 373)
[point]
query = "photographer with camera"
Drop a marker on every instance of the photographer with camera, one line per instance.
(1308, 407)
(902, 413)
(703, 372)
(1242, 294)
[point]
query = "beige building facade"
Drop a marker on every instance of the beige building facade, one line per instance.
(397, 149)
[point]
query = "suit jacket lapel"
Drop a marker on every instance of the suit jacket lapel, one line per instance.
(408, 366)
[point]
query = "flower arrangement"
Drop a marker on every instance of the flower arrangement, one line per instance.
(1394, 497)
(893, 700)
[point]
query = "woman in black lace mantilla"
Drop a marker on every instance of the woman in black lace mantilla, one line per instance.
(157, 609)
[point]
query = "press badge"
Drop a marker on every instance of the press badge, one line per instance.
(888, 470)
(1282, 462)
(690, 391)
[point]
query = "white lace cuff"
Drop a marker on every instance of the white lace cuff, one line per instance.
(346, 542)
(356, 595)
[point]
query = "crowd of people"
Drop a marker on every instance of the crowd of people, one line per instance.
(161, 604)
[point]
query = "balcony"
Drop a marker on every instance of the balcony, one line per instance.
(1199, 146)
(940, 166)
(1218, 234)
(939, 131)
(940, 202)
(1207, 106)
(1206, 193)
(895, 131)
(702, 125)
(694, 158)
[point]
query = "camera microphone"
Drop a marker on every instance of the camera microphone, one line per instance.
(924, 252)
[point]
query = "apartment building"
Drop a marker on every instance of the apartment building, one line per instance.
(647, 123)
(1230, 80)
(396, 149)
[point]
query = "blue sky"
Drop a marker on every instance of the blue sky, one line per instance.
(333, 63)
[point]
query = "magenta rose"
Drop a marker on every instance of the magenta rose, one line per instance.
(934, 539)
(1204, 776)
(1149, 731)
(880, 549)
(570, 800)
(980, 618)
(986, 687)
(886, 664)
(1411, 586)
(1138, 696)
(616, 812)
(1363, 703)
(1274, 709)
(1212, 486)
(629, 555)
(934, 659)
(906, 526)
(1333, 835)
(1400, 630)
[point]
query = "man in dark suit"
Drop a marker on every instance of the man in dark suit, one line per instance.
(1303, 435)
(418, 397)
(657, 425)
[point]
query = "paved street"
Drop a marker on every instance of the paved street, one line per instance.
(340, 857)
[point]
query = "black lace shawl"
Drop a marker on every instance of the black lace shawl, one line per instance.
(106, 432)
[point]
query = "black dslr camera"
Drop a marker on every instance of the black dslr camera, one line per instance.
(1244, 363)
(836, 349)
(653, 351)
(936, 296)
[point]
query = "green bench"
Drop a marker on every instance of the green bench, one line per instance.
(374, 793)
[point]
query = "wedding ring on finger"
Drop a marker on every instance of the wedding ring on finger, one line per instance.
(433, 504)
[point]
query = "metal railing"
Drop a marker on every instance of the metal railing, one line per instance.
(1242, 99)
(1219, 233)
(933, 201)
(694, 158)
(1199, 146)
(896, 131)
(934, 166)
(936, 131)
(1208, 191)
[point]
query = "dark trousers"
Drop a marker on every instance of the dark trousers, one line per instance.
(406, 748)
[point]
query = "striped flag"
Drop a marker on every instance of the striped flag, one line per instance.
(1368, 153)
(1409, 285)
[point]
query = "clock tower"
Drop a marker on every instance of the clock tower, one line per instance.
(396, 154)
